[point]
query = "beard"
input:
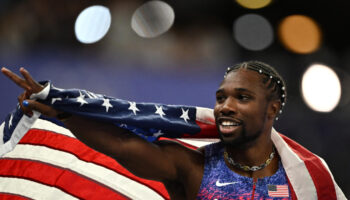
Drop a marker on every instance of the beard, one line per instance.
(243, 140)
(245, 137)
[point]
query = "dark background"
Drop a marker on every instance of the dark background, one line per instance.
(183, 66)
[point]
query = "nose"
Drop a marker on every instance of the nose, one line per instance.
(229, 106)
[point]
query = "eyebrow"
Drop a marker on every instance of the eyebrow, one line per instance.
(244, 90)
(219, 90)
(236, 89)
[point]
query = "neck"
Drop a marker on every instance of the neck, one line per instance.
(254, 154)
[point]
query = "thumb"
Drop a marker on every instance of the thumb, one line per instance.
(42, 108)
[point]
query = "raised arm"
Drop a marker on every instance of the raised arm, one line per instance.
(164, 161)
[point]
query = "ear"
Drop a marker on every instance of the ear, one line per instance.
(273, 109)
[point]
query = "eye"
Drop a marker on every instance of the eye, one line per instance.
(220, 98)
(244, 97)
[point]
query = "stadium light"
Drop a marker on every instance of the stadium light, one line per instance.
(321, 88)
(152, 19)
(253, 32)
(92, 24)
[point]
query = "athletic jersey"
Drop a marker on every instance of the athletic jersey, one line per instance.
(219, 182)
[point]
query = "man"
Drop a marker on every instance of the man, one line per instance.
(246, 164)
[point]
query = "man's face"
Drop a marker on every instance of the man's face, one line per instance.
(241, 107)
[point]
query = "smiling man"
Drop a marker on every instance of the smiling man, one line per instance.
(247, 103)
(251, 161)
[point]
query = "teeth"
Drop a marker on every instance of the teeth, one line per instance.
(229, 123)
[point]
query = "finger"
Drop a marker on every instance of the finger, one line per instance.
(42, 108)
(33, 84)
(27, 94)
(15, 78)
(25, 110)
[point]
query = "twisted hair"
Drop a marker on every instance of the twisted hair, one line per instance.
(270, 77)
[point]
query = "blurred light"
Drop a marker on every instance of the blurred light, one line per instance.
(253, 4)
(321, 88)
(253, 32)
(300, 34)
(152, 19)
(92, 24)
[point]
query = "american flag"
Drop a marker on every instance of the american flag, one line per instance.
(50, 163)
(40, 159)
(278, 190)
(148, 120)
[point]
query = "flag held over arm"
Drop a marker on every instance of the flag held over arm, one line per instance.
(308, 174)
(147, 120)
(14, 127)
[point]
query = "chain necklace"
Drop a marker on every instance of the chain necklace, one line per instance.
(247, 168)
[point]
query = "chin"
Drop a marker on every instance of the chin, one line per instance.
(231, 140)
(238, 141)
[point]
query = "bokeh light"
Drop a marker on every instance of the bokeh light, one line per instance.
(300, 34)
(152, 19)
(321, 88)
(253, 32)
(92, 24)
(253, 4)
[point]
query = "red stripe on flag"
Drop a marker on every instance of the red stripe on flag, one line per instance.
(206, 131)
(63, 179)
(6, 196)
(83, 152)
(321, 177)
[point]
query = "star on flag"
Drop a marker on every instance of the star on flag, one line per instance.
(157, 134)
(81, 99)
(133, 107)
(184, 115)
(53, 100)
(107, 104)
(10, 121)
(159, 111)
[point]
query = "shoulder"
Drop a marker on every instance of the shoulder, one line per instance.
(212, 149)
(189, 162)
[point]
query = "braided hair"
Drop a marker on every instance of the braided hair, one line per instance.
(270, 77)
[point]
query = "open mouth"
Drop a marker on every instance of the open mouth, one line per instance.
(228, 125)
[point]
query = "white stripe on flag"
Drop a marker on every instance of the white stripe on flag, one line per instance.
(195, 142)
(22, 127)
(49, 126)
(205, 115)
(25, 187)
(300, 179)
(2, 133)
(120, 183)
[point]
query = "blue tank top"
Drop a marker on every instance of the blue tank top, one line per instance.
(220, 182)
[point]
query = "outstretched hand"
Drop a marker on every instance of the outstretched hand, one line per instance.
(28, 83)
(30, 87)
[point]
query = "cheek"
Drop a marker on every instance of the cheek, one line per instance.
(216, 109)
(251, 111)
